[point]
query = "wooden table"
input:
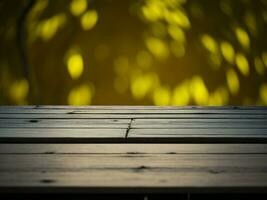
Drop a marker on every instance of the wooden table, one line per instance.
(141, 150)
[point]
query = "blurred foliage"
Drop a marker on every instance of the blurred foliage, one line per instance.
(160, 52)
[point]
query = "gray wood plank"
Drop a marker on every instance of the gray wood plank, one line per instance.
(178, 172)
(198, 120)
(65, 123)
(132, 182)
(223, 132)
(168, 162)
(84, 135)
(138, 123)
(133, 167)
(198, 135)
(134, 149)
(61, 135)
(199, 123)
(130, 116)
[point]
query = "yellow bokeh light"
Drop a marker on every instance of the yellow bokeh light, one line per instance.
(228, 51)
(259, 66)
(251, 23)
(89, 19)
(264, 58)
(81, 95)
(174, 3)
(157, 47)
(209, 43)
(263, 93)
(181, 95)
(177, 17)
(215, 58)
(38, 7)
(236, 49)
(144, 59)
(215, 99)
(219, 97)
(176, 33)
(161, 96)
(215, 61)
(232, 81)
(153, 11)
(242, 64)
(242, 37)
(48, 28)
(199, 90)
(142, 85)
(75, 65)
(77, 7)
(18, 91)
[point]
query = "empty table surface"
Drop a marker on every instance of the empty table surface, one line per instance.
(133, 149)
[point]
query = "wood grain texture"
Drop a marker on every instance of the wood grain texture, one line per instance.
(197, 135)
(133, 148)
(65, 123)
(129, 116)
(132, 182)
(137, 124)
(136, 149)
(199, 123)
(60, 135)
(100, 167)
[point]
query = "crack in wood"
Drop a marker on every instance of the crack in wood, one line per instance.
(129, 127)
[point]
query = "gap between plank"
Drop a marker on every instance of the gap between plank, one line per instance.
(129, 127)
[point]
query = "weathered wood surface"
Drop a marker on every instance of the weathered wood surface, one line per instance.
(133, 124)
(47, 135)
(133, 167)
(139, 149)
(133, 148)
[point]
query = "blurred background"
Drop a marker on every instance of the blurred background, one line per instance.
(133, 52)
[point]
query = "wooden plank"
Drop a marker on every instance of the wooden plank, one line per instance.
(130, 116)
(223, 132)
(178, 172)
(65, 123)
(133, 149)
(133, 167)
(85, 135)
(138, 123)
(61, 135)
(172, 111)
(122, 182)
(168, 162)
(199, 123)
(198, 120)
(198, 135)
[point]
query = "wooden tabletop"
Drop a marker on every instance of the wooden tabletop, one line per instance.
(133, 149)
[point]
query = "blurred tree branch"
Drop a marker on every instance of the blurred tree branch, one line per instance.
(22, 44)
